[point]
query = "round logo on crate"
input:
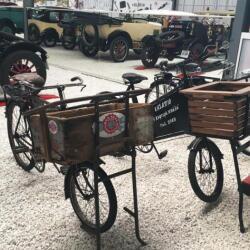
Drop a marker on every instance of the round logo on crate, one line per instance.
(111, 124)
(52, 127)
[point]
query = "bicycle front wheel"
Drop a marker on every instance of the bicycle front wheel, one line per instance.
(82, 196)
(19, 134)
(205, 172)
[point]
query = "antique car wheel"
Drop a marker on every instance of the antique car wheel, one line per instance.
(196, 51)
(87, 50)
(19, 134)
(69, 43)
(119, 49)
(149, 56)
(34, 35)
(205, 171)
(137, 51)
(81, 194)
(5, 27)
(50, 40)
(170, 37)
(23, 61)
(90, 40)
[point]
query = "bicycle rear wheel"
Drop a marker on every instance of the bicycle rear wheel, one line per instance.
(19, 134)
(157, 90)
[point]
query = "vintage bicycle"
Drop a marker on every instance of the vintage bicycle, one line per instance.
(21, 97)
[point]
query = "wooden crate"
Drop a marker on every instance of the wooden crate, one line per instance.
(218, 109)
(70, 134)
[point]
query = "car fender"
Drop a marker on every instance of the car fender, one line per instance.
(195, 144)
(24, 45)
(8, 22)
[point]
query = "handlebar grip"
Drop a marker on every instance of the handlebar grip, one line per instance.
(73, 79)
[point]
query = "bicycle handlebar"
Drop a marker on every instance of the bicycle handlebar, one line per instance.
(25, 89)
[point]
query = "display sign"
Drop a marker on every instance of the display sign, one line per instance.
(170, 114)
(124, 5)
(243, 64)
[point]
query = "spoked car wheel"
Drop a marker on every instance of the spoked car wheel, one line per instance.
(89, 51)
(149, 56)
(69, 42)
(119, 49)
(19, 62)
(4, 27)
(34, 35)
(19, 136)
(82, 197)
(50, 40)
(205, 171)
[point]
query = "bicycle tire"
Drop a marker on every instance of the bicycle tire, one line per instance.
(17, 139)
(213, 153)
(108, 186)
(158, 89)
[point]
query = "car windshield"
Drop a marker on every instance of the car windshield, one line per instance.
(54, 16)
(67, 16)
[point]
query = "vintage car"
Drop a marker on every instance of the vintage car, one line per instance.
(99, 32)
(18, 56)
(11, 19)
(43, 24)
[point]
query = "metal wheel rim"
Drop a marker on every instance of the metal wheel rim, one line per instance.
(50, 41)
(22, 66)
(87, 212)
(206, 175)
(7, 29)
(120, 48)
(21, 134)
(149, 55)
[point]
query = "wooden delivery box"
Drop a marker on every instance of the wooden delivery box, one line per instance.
(68, 136)
(218, 109)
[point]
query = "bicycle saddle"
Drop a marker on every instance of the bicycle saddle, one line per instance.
(134, 78)
(32, 78)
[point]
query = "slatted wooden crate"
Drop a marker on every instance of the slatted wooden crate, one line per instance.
(68, 136)
(218, 109)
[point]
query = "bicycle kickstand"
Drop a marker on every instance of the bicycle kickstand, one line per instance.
(135, 213)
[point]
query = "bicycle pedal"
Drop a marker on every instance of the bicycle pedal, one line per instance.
(64, 169)
(163, 154)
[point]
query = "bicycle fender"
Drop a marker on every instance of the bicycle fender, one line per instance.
(195, 144)
(67, 183)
